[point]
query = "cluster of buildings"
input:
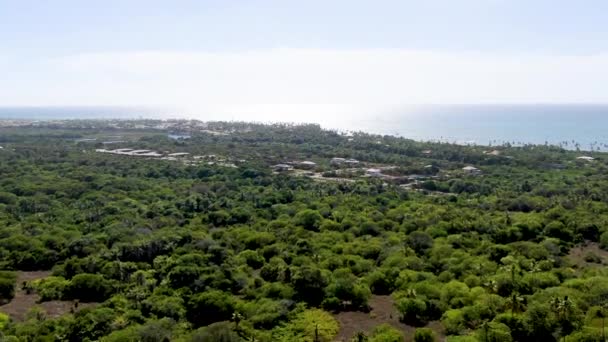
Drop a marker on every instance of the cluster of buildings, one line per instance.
(288, 166)
(176, 156)
(144, 153)
(471, 170)
(310, 165)
(344, 161)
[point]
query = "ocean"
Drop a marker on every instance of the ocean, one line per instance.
(570, 126)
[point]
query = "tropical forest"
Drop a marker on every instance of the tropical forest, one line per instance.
(179, 230)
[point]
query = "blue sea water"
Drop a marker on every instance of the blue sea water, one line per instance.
(571, 126)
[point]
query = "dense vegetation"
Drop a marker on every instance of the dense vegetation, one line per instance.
(201, 252)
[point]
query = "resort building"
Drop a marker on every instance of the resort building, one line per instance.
(282, 167)
(585, 158)
(373, 172)
(307, 164)
(471, 170)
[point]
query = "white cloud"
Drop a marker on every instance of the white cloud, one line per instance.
(307, 84)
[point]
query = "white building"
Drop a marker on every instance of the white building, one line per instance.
(341, 161)
(374, 172)
(282, 167)
(337, 161)
(307, 164)
(471, 170)
(585, 158)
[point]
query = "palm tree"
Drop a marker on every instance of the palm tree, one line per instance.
(237, 318)
(601, 314)
(410, 293)
(492, 285)
(517, 303)
(359, 337)
(564, 308)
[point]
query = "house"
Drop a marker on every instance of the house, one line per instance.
(373, 172)
(492, 153)
(471, 170)
(307, 164)
(149, 154)
(585, 158)
(178, 154)
(337, 161)
(415, 178)
(341, 161)
(282, 167)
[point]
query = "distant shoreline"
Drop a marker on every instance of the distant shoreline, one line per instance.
(569, 126)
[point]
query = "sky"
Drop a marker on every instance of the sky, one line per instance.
(308, 60)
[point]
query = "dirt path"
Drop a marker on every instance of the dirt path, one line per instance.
(383, 311)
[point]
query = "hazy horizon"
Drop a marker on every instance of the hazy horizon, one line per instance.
(313, 61)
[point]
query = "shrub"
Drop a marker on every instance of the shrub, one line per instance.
(412, 310)
(8, 281)
(51, 288)
(424, 335)
(210, 307)
(309, 219)
(220, 331)
(89, 288)
(386, 333)
(453, 321)
(306, 326)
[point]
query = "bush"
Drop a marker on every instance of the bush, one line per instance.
(4, 320)
(412, 310)
(8, 281)
(419, 241)
(453, 321)
(157, 331)
(604, 240)
(309, 219)
(51, 288)
(586, 335)
(89, 288)
(424, 335)
(164, 306)
(216, 332)
(306, 325)
(252, 258)
(210, 307)
(386, 333)
(497, 332)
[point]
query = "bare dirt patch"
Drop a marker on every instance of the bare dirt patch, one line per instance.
(23, 302)
(382, 311)
(581, 255)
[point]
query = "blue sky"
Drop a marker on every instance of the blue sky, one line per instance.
(237, 56)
